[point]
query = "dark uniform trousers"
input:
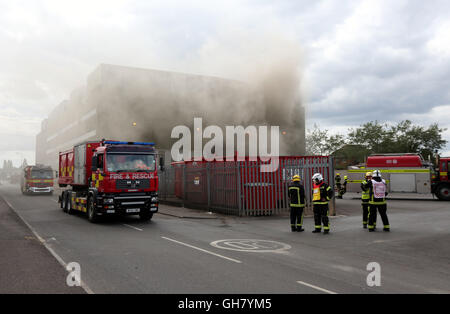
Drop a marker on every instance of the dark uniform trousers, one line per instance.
(365, 209)
(321, 216)
(296, 217)
(382, 209)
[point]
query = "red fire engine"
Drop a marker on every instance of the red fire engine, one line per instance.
(439, 179)
(109, 178)
(37, 179)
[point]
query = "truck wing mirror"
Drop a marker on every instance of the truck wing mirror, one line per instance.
(94, 163)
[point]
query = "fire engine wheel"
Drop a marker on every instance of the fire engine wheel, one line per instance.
(146, 216)
(91, 211)
(68, 205)
(443, 192)
(64, 202)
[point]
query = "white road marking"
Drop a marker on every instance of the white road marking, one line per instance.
(132, 227)
(55, 255)
(203, 250)
(251, 245)
(315, 287)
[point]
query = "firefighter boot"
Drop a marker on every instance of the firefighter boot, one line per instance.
(387, 228)
(300, 229)
(317, 230)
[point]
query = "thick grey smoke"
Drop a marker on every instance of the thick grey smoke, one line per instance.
(270, 63)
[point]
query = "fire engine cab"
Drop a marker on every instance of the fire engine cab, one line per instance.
(109, 178)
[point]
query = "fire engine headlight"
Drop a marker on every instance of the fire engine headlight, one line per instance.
(154, 199)
(108, 201)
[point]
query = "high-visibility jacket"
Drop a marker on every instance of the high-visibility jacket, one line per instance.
(378, 192)
(365, 195)
(322, 193)
(296, 195)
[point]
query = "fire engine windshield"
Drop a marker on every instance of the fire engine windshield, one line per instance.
(130, 162)
(42, 174)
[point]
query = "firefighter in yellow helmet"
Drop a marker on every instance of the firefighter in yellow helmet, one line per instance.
(296, 203)
(365, 198)
(337, 180)
(343, 188)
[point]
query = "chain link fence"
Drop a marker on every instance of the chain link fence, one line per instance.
(239, 187)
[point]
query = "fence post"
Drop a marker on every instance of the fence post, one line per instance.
(331, 172)
(208, 184)
(239, 196)
(184, 184)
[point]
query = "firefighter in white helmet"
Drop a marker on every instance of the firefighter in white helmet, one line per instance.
(322, 194)
(377, 201)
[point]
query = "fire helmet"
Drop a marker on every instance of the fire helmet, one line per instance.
(368, 174)
(296, 178)
(317, 177)
(376, 174)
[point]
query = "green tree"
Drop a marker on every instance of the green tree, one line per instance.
(319, 142)
(404, 137)
(372, 135)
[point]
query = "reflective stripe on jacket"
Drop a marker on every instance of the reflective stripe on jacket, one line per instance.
(296, 195)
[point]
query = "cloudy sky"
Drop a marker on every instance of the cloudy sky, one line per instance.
(360, 60)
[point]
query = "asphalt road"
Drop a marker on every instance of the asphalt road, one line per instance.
(173, 255)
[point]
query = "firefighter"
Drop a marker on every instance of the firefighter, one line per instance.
(322, 194)
(365, 197)
(296, 203)
(377, 201)
(344, 186)
(337, 179)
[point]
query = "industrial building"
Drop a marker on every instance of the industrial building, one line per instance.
(131, 104)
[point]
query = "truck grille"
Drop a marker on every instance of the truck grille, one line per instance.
(133, 184)
(41, 185)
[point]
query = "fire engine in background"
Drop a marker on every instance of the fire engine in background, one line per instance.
(109, 178)
(410, 173)
(37, 179)
(440, 180)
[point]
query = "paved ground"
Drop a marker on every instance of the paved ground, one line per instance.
(26, 266)
(175, 255)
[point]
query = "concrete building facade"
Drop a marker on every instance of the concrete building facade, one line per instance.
(130, 104)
